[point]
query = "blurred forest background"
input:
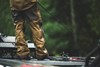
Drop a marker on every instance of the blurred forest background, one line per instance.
(70, 26)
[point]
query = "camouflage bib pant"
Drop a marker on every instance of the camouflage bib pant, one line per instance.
(33, 18)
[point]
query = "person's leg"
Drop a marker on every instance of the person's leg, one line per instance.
(37, 32)
(38, 37)
(22, 48)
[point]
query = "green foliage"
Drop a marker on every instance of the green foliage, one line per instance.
(6, 25)
(95, 16)
(55, 34)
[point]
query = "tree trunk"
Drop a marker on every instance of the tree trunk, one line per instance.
(73, 23)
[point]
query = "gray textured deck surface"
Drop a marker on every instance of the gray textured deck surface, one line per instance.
(44, 62)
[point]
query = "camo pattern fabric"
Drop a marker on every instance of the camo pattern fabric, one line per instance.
(21, 4)
(32, 17)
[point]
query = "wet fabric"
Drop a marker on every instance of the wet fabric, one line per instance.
(32, 17)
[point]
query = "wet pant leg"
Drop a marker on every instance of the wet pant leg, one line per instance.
(22, 48)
